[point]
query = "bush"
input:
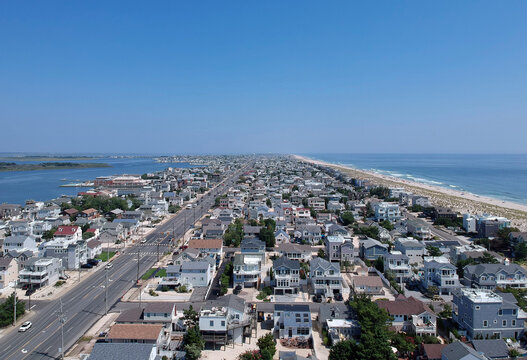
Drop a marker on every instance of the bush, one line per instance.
(6, 310)
(59, 283)
(153, 293)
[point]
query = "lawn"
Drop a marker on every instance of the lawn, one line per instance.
(147, 274)
(161, 273)
(104, 255)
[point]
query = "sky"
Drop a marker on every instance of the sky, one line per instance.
(263, 76)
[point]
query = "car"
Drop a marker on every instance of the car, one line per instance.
(143, 241)
(338, 297)
(25, 326)
(237, 290)
(86, 266)
(318, 298)
(93, 262)
(30, 292)
(109, 265)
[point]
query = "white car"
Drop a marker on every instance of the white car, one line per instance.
(143, 241)
(109, 266)
(25, 326)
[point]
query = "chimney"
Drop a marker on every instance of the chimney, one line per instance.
(506, 261)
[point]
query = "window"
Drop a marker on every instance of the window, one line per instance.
(212, 323)
(504, 323)
(500, 312)
(513, 322)
(477, 307)
(485, 323)
(223, 323)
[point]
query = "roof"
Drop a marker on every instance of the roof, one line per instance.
(195, 265)
(92, 244)
(232, 301)
(457, 350)
(291, 307)
(285, 261)
(135, 331)
(367, 281)
(66, 230)
(121, 351)
(491, 348)
(404, 306)
(369, 242)
(493, 269)
(130, 315)
(160, 307)
(291, 247)
(5, 261)
(205, 243)
(334, 311)
(433, 351)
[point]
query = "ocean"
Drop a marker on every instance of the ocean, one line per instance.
(500, 176)
(18, 186)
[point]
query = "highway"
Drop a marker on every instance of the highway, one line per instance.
(85, 304)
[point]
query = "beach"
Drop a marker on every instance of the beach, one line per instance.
(460, 201)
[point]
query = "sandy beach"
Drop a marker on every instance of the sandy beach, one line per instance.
(463, 202)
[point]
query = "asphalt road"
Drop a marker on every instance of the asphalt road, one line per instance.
(85, 304)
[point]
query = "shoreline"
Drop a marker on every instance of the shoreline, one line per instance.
(461, 201)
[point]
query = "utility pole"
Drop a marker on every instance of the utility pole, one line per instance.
(158, 250)
(62, 319)
(138, 249)
(106, 295)
(14, 309)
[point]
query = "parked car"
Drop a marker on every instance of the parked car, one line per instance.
(143, 241)
(338, 297)
(93, 262)
(30, 292)
(25, 326)
(237, 290)
(317, 298)
(86, 266)
(109, 265)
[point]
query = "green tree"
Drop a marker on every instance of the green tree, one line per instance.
(194, 343)
(402, 344)
(267, 342)
(369, 231)
(6, 310)
(193, 351)
(446, 312)
(379, 264)
(87, 235)
(433, 250)
(387, 225)
(190, 317)
(520, 251)
(344, 350)
(48, 235)
(321, 253)
(347, 218)
(487, 258)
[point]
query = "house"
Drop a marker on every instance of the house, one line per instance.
(411, 248)
(10, 211)
(460, 351)
(225, 318)
(251, 231)
(186, 255)
(38, 273)
(68, 232)
(8, 272)
(20, 243)
(370, 285)
(439, 272)
(333, 246)
(431, 351)
(286, 276)
(295, 251)
(310, 234)
(490, 276)
(410, 315)
(281, 237)
(190, 273)
(387, 211)
(88, 214)
(291, 321)
(20, 227)
(246, 270)
(155, 334)
(208, 247)
(418, 229)
(93, 248)
(443, 213)
(335, 230)
(371, 249)
(464, 252)
(316, 203)
(40, 227)
(73, 253)
(339, 321)
(398, 264)
(123, 351)
(253, 248)
(492, 348)
(325, 277)
(488, 225)
(153, 313)
(487, 314)
(213, 231)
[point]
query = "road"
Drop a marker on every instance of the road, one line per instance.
(438, 232)
(85, 304)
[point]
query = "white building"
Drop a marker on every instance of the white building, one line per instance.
(387, 211)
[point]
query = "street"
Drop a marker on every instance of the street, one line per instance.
(84, 305)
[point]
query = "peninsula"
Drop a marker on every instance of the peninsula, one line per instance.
(12, 166)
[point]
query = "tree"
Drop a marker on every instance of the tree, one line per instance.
(520, 251)
(321, 253)
(379, 264)
(194, 342)
(433, 250)
(173, 209)
(446, 312)
(87, 235)
(345, 349)
(387, 225)
(48, 235)
(267, 342)
(193, 351)
(432, 291)
(268, 203)
(267, 235)
(369, 231)
(487, 258)
(190, 317)
(6, 310)
(401, 343)
(347, 218)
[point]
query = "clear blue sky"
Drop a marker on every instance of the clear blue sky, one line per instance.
(263, 76)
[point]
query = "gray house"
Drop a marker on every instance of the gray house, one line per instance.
(287, 276)
(371, 249)
(325, 277)
(487, 314)
(490, 276)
